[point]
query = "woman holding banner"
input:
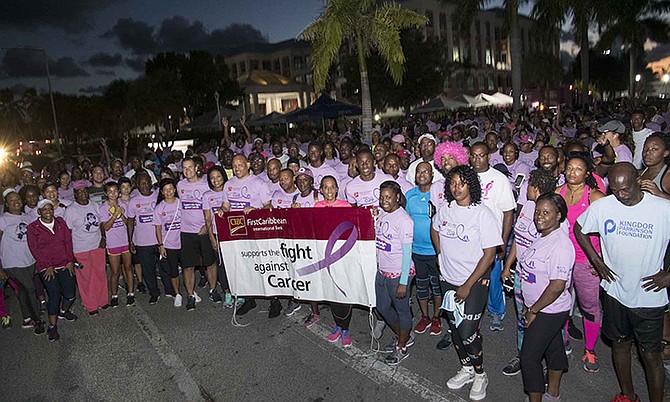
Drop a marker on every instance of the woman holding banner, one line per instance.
(394, 231)
(464, 225)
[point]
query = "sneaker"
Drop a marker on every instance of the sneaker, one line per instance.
(378, 331)
(39, 328)
(398, 355)
(190, 303)
(240, 302)
(550, 398)
(422, 325)
(169, 296)
(53, 334)
(203, 282)
(214, 296)
(590, 362)
(130, 299)
(114, 302)
(275, 308)
(465, 375)
(445, 342)
(105, 307)
(346, 338)
(246, 306)
(67, 315)
(335, 334)
(574, 332)
(312, 319)
(496, 324)
(154, 299)
(292, 307)
(197, 297)
(141, 288)
(94, 312)
(6, 322)
(478, 390)
(568, 348)
(27, 323)
(435, 327)
(625, 398)
(227, 300)
(177, 300)
(513, 367)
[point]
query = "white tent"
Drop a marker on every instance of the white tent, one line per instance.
(492, 99)
(472, 101)
(505, 99)
(439, 103)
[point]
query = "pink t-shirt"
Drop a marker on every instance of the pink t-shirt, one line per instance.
(309, 201)
(464, 234)
(85, 225)
(117, 235)
(366, 193)
(168, 217)
(212, 201)
(282, 199)
(437, 193)
(405, 186)
(549, 258)
(141, 208)
(248, 192)
(574, 211)
(335, 204)
(190, 195)
(64, 194)
(392, 230)
(322, 171)
(245, 150)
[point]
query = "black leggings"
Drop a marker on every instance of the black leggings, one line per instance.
(341, 314)
(466, 337)
(427, 276)
(542, 339)
(61, 286)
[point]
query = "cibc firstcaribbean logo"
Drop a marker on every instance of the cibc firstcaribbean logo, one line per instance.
(237, 225)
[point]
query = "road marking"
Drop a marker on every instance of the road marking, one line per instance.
(185, 382)
(380, 372)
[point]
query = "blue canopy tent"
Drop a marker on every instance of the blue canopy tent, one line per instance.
(324, 108)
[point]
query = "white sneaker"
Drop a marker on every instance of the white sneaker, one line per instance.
(378, 330)
(465, 375)
(177, 300)
(197, 298)
(478, 390)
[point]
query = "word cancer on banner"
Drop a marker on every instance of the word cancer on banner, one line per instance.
(315, 254)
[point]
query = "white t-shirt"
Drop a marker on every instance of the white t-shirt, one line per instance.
(464, 234)
(497, 193)
(633, 242)
(639, 137)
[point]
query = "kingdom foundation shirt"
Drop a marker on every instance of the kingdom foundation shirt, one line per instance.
(548, 258)
(633, 242)
(392, 230)
(464, 234)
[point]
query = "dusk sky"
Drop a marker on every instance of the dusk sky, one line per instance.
(92, 42)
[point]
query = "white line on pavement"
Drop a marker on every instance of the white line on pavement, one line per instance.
(380, 372)
(185, 382)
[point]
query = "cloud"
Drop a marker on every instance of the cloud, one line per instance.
(136, 63)
(93, 90)
(69, 15)
(136, 36)
(23, 63)
(105, 60)
(178, 34)
(107, 73)
(567, 36)
(658, 53)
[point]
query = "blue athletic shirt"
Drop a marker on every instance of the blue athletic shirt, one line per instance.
(419, 210)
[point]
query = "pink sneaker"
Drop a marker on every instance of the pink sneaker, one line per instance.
(335, 334)
(346, 338)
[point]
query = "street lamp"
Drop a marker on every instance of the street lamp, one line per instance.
(218, 108)
(51, 95)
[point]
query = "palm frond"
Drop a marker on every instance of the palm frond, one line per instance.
(657, 29)
(658, 7)
(465, 13)
(607, 37)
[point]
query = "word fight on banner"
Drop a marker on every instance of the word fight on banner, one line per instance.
(316, 254)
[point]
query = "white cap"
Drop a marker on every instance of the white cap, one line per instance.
(7, 192)
(44, 202)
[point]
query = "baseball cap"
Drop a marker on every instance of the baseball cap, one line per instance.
(429, 136)
(7, 192)
(79, 184)
(399, 138)
(612, 126)
(44, 202)
(304, 172)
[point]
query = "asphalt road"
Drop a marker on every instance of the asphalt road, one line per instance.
(159, 353)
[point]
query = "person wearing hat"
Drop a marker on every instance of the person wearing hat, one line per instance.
(50, 242)
(612, 143)
(398, 143)
(88, 246)
(306, 196)
(27, 175)
(527, 154)
(427, 144)
(18, 263)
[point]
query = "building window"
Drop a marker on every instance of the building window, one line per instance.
(489, 60)
(456, 54)
(523, 41)
(481, 82)
(488, 32)
(471, 82)
(491, 83)
(443, 22)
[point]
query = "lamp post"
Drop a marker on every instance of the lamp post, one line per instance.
(218, 108)
(51, 95)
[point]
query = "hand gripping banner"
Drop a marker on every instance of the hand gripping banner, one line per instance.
(316, 254)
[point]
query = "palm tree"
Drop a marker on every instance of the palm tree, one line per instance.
(554, 13)
(369, 25)
(635, 21)
(466, 11)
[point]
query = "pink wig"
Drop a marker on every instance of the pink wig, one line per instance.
(454, 149)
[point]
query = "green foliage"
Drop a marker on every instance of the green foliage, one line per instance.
(541, 70)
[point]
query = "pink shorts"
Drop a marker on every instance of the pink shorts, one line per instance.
(118, 250)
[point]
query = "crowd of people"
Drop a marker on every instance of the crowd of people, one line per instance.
(567, 214)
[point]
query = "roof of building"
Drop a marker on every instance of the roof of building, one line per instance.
(268, 47)
(262, 77)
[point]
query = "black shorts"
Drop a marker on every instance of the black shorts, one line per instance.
(172, 262)
(196, 250)
(425, 265)
(644, 324)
